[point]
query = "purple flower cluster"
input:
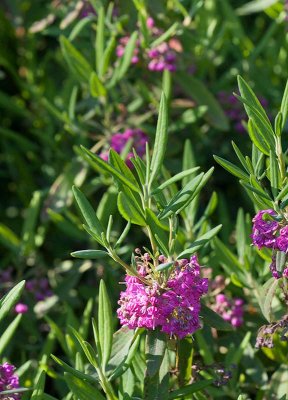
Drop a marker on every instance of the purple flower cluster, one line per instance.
(265, 229)
(269, 233)
(174, 306)
(8, 381)
(40, 288)
(231, 310)
(119, 141)
(162, 58)
(234, 110)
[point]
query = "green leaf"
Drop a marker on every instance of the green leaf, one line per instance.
(175, 178)
(116, 161)
(166, 35)
(82, 389)
(99, 45)
(258, 138)
(157, 386)
(8, 238)
(233, 169)
(108, 52)
(86, 347)
(213, 319)
(88, 213)
(10, 299)
(284, 106)
(189, 389)
(200, 242)
(28, 234)
(97, 89)
(126, 363)
(160, 139)
(198, 91)
(73, 371)
(122, 340)
(125, 61)
(266, 297)
(76, 62)
(89, 254)
(39, 387)
(282, 193)
(274, 174)
(130, 210)
(156, 344)
(184, 197)
(240, 156)
(94, 160)
(8, 333)
(105, 324)
(255, 111)
(255, 6)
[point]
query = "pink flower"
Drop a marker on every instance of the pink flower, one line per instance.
(8, 381)
(21, 308)
(264, 230)
(173, 307)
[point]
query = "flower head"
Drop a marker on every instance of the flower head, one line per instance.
(173, 306)
(8, 381)
(264, 230)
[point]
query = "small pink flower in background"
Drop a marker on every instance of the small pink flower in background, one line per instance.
(120, 49)
(162, 58)
(21, 308)
(8, 381)
(231, 310)
(118, 142)
(174, 308)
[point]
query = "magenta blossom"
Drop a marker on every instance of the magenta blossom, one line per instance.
(8, 381)
(264, 230)
(173, 307)
(118, 142)
(21, 308)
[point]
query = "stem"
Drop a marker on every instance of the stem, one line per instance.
(106, 385)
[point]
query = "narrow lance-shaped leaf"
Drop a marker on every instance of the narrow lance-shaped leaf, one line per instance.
(81, 389)
(130, 210)
(89, 254)
(99, 45)
(233, 169)
(94, 160)
(284, 105)
(9, 332)
(175, 178)
(200, 242)
(10, 299)
(160, 139)
(76, 62)
(88, 213)
(105, 325)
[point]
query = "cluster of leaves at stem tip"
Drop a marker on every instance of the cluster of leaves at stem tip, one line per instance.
(144, 201)
(264, 174)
